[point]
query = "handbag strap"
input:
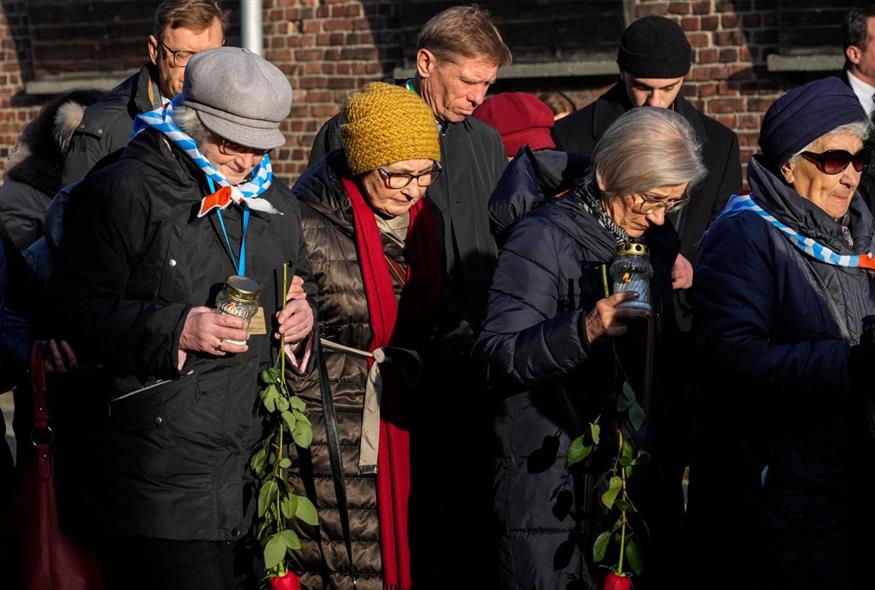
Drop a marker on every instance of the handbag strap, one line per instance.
(334, 451)
(40, 388)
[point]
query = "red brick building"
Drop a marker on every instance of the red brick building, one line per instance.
(747, 52)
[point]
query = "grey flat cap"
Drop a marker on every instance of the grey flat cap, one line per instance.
(239, 96)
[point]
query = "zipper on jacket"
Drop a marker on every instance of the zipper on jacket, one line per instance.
(125, 396)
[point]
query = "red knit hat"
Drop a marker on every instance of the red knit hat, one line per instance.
(521, 118)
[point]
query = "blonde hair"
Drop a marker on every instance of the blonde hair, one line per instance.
(465, 31)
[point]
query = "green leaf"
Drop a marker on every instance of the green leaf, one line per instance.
(289, 505)
(626, 397)
(270, 376)
(269, 396)
(289, 419)
(600, 547)
(610, 495)
(303, 434)
(259, 461)
(622, 505)
(301, 417)
(266, 495)
(285, 463)
(626, 454)
(291, 539)
(633, 557)
(306, 511)
(282, 404)
(578, 451)
(274, 551)
(636, 416)
(594, 432)
(298, 403)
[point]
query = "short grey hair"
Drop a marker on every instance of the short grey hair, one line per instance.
(645, 148)
(187, 119)
(861, 129)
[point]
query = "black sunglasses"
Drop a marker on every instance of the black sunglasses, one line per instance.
(835, 161)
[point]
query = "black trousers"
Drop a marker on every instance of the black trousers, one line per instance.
(138, 563)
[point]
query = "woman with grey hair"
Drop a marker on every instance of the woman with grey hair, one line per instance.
(560, 350)
(783, 288)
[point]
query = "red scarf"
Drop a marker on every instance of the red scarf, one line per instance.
(418, 301)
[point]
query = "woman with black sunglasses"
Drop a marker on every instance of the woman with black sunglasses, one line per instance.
(783, 284)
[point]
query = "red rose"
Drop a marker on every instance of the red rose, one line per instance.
(617, 582)
(288, 581)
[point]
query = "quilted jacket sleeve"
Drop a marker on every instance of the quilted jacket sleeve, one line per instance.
(524, 339)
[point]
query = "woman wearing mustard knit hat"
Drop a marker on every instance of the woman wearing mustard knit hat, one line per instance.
(376, 258)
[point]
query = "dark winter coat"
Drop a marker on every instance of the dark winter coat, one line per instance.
(472, 156)
(33, 169)
(549, 277)
(580, 131)
(106, 127)
(151, 450)
(785, 494)
(329, 235)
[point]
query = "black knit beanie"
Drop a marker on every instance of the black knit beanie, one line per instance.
(654, 47)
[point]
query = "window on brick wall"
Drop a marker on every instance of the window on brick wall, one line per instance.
(87, 36)
(539, 33)
(809, 35)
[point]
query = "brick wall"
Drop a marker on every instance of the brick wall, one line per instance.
(329, 48)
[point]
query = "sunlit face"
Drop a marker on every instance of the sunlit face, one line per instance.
(235, 162)
(830, 192)
(171, 71)
(626, 211)
(652, 92)
(862, 59)
(390, 202)
(453, 89)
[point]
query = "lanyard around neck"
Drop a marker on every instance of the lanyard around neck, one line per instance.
(241, 266)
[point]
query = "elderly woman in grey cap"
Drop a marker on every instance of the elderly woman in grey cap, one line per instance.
(158, 439)
(783, 288)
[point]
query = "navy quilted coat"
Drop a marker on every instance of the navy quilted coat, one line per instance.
(785, 496)
(549, 276)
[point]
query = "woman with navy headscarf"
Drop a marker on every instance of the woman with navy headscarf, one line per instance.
(782, 287)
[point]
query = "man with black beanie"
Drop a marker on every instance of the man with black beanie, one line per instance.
(654, 56)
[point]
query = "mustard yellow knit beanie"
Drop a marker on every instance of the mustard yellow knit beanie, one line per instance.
(387, 124)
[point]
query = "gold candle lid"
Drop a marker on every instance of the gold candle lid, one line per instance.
(242, 288)
(632, 249)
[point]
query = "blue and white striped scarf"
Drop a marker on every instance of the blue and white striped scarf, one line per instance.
(807, 245)
(161, 119)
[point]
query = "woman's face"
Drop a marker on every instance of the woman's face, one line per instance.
(392, 202)
(830, 192)
(626, 210)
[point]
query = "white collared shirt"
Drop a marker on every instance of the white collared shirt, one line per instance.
(865, 93)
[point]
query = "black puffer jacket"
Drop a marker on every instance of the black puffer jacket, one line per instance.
(343, 315)
(549, 276)
(106, 127)
(149, 449)
(786, 482)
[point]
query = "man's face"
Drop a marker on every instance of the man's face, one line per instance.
(652, 92)
(171, 69)
(863, 58)
(453, 89)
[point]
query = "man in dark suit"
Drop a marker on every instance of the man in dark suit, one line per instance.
(654, 56)
(859, 74)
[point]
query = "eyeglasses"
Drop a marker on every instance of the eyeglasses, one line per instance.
(399, 180)
(836, 161)
(229, 148)
(651, 203)
(178, 59)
